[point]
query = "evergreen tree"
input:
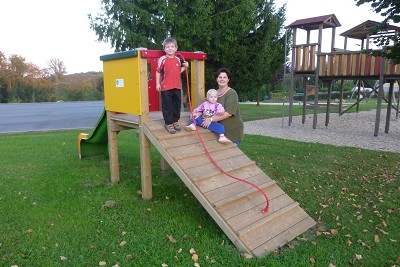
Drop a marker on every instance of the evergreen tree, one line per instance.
(245, 36)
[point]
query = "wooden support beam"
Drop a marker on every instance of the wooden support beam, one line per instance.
(305, 84)
(389, 107)
(112, 148)
(145, 153)
(316, 94)
(328, 103)
(380, 95)
(341, 97)
(291, 89)
(164, 166)
(197, 80)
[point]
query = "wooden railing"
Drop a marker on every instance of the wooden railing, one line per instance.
(349, 64)
(305, 58)
(340, 64)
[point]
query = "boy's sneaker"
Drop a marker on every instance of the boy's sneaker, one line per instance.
(170, 128)
(190, 128)
(223, 139)
(177, 126)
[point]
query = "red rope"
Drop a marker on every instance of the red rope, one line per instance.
(265, 210)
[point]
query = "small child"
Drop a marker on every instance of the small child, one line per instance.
(206, 110)
(168, 82)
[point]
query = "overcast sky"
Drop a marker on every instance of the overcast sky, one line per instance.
(40, 30)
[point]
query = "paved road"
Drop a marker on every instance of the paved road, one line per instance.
(27, 117)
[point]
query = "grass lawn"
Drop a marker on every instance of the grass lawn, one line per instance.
(54, 209)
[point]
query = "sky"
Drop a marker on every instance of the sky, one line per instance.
(41, 30)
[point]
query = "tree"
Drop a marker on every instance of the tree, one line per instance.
(57, 67)
(3, 80)
(36, 84)
(390, 10)
(58, 70)
(242, 35)
(262, 51)
(17, 69)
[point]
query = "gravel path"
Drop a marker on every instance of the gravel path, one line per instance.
(350, 129)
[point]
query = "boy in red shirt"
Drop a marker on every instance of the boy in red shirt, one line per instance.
(168, 82)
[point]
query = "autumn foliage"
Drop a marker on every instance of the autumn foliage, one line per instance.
(22, 81)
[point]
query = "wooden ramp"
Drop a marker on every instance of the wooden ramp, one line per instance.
(235, 206)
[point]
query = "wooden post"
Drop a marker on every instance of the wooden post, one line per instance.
(164, 166)
(291, 89)
(380, 95)
(341, 97)
(328, 103)
(316, 94)
(389, 107)
(197, 93)
(305, 84)
(145, 153)
(333, 39)
(112, 148)
(358, 96)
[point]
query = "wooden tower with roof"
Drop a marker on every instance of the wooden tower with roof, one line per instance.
(308, 61)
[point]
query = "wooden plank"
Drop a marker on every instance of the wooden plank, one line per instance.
(340, 65)
(231, 209)
(201, 159)
(197, 149)
(221, 180)
(265, 187)
(367, 65)
(297, 65)
(322, 66)
(362, 64)
(284, 219)
(197, 81)
(145, 153)
(187, 138)
(157, 122)
(335, 65)
(236, 189)
(348, 64)
(305, 58)
(313, 51)
(208, 170)
(112, 148)
(203, 201)
(284, 237)
(251, 216)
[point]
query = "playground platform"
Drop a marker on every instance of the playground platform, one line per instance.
(235, 206)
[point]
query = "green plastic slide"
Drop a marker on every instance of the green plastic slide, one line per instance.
(95, 145)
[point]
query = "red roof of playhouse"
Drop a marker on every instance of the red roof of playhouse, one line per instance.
(364, 29)
(328, 21)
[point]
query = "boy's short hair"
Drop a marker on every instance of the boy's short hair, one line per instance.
(168, 41)
(211, 91)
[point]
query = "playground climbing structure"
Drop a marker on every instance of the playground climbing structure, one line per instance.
(308, 61)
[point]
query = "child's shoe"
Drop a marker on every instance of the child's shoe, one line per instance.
(170, 128)
(190, 128)
(223, 139)
(177, 126)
